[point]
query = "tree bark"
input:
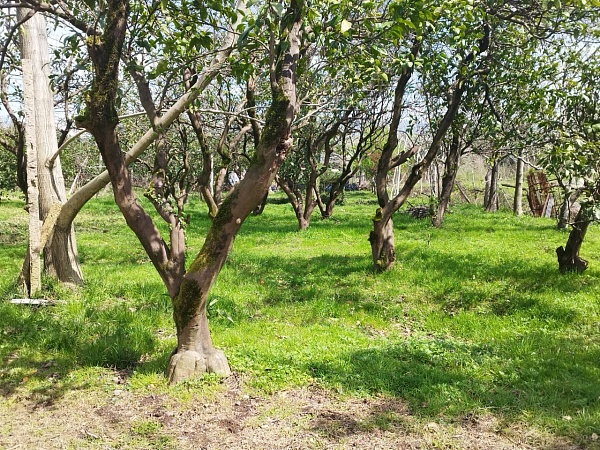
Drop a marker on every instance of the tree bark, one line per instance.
(261, 207)
(32, 277)
(518, 201)
(381, 239)
(450, 170)
(195, 353)
(318, 162)
(60, 252)
(491, 188)
(564, 214)
(296, 200)
(568, 256)
(71, 208)
(206, 176)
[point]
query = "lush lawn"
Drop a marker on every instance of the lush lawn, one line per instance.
(473, 319)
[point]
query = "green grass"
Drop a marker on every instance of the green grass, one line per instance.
(474, 318)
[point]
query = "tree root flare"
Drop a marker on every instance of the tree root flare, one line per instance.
(192, 364)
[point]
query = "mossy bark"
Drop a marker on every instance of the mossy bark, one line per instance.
(195, 353)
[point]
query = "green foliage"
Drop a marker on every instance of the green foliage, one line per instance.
(8, 171)
(572, 153)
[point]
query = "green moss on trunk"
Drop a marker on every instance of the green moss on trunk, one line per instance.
(189, 300)
(276, 122)
(187, 303)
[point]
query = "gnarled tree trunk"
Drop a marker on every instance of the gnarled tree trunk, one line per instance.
(381, 235)
(381, 238)
(195, 353)
(303, 206)
(568, 256)
(73, 205)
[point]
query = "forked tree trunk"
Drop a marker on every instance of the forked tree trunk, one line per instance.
(296, 200)
(381, 237)
(303, 224)
(450, 171)
(568, 256)
(335, 193)
(318, 163)
(69, 210)
(329, 205)
(303, 206)
(195, 353)
(60, 252)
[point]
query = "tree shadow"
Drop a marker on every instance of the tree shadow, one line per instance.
(391, 414)
(457, 283)
(500, 378)
(41, 347)
(301, 279)
(504, 286)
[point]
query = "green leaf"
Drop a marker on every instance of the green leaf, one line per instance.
(161, 68)
(243, 39)
(278, 7)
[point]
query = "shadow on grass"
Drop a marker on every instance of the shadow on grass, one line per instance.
(504, 286)
(391, 415)
(440, 377)
(301, 280)
(41, 347)
(557, 376)
(454, 282)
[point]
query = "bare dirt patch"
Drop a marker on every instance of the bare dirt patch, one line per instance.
(308, 418)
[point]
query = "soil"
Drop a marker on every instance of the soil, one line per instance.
(308, 418)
